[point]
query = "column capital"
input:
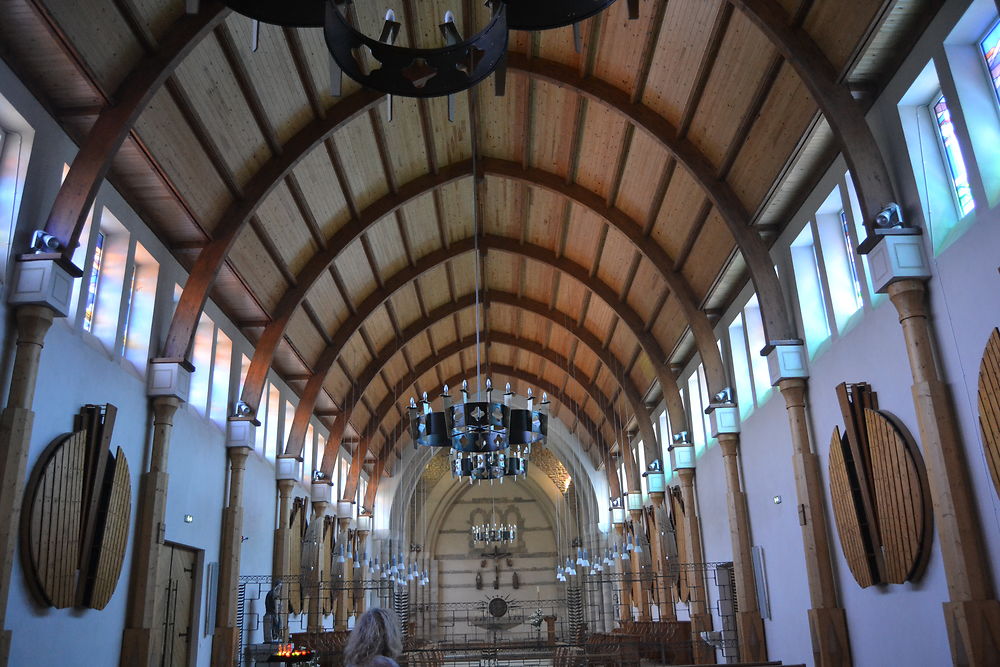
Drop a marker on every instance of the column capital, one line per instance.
(164, 408)
(169, 378)
(43, 281)
(723, 418)
(287, 468)
(321, 491)
(345, 509)
(241, 432)
(786, 359)
(896, 258)
(729, 443)
(683, 456)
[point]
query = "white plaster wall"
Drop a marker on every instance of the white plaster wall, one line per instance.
(76, 370)
(899, 624)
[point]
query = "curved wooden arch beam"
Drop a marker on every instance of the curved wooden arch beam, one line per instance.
(367, 376)
(206, 268)
(702, 330)
(115, 122)
(841, 110)
(773, 311)
(267, 345)
(633, 396)
(648, 343)
(778, 325)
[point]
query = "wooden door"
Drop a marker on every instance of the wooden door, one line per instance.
(175, 612)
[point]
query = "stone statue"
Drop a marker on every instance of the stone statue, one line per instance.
(273, 632)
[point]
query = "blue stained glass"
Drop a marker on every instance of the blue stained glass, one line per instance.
(95, 276)
(990, 47)
(953, 155)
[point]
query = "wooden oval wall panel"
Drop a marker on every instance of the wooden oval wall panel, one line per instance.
(902, 513)
(75, 522)
(878, 486)
(845, 514)
(989, 405)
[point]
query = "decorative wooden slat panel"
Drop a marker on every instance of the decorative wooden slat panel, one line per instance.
(55, 493)
(879, 490)
(326, 563)
(115, 538)
(297, 526)
(75, 522)
(678, 518)
(989, 405)
(845, 514)
(900, 500)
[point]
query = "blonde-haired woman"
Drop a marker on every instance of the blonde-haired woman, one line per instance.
(376, 640)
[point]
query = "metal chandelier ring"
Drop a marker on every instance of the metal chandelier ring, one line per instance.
(411, 72)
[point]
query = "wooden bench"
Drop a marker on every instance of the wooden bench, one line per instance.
(666, 642)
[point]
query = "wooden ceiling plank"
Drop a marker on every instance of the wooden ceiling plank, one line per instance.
(705, 68)
(246, 87)
(93, 161)
(302, 69)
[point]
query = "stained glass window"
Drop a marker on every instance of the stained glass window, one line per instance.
(852, 266)
(953, 155)
(95, 277)
(990, 46)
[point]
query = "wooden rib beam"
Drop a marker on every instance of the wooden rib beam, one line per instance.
(774, 313)
(206, 268)
(629, 317)
(115, 123)
(778, 325)
(317, 265)
(844, 114)
(585, 337)
(631, 229)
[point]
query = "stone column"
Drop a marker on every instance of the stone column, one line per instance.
(827, 621)
(701, 618)
(321, 497)
(972, 613)
(239, 444)
(39, 292)
(168, 385)
(725, 421)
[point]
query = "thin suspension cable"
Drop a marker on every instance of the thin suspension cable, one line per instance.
(475, 241)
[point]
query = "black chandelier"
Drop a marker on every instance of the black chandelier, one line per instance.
(491, 465)
(494, 533)
(422, 72)
(476, 427)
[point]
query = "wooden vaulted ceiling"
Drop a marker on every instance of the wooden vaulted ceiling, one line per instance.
(570, 164)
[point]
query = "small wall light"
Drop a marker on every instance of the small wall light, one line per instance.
(188, 518)
(777, 500)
